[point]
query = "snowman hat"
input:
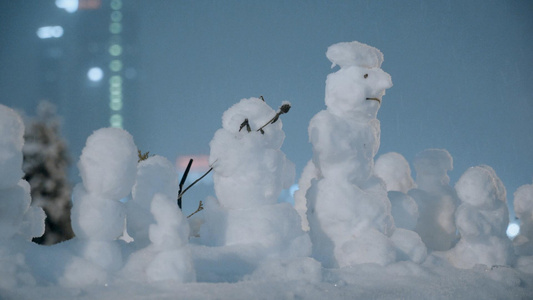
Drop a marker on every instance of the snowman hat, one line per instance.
(354, 54)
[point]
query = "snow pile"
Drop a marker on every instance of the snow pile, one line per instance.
(19, 222)
(435, 198)
(250, 171)
(482, 220)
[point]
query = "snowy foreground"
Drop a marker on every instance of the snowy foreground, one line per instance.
(361, 228)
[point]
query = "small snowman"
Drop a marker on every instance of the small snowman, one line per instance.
(523, 206)
(523, 242)
(167, 257)
(155, 175)
(19, 222)
(107, 165)
(394, 170)
(482, 220)
(348, 210)
(250, 172)
(435, 198)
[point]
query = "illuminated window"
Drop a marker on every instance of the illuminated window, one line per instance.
(115, 65)
(116, 106)
(116, 16)
(48, 32)
(116, 121)
(68, 5)
(115, 80)
(115, 28)
(115, 50)
(116, 4)
(95, 74)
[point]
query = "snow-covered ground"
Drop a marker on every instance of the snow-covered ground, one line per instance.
(361, 227)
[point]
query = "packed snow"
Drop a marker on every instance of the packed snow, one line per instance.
(360, 228)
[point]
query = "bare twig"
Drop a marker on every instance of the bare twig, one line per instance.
(142, 156)
(284, 108)
(196, 181)
(182, 182)
(200, 208)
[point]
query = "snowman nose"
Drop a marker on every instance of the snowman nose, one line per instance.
(376, 99)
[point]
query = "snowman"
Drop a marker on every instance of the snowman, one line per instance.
(158, 227)
(107, 167)
(523, 242)
(250, 172)
(394, 170)
(435, 198)
(523, 206)
(155, 175)
(482, 220)
(348, 210)
(19, 222)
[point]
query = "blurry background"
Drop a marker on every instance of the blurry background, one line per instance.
(167, 70)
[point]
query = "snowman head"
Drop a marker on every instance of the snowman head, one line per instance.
(245, 118)
(358, 87)
(480, 186)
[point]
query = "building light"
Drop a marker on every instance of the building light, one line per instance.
(95, 74)
(115, 28)
(116, 121)
(116, 4)
(48, 32)
(115, 65)
(116, 16)
(115, 106)
(68, 5)
(115, 50)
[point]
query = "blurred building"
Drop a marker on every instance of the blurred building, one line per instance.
(87, 62)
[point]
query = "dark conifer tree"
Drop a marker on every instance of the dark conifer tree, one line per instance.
(46, 162)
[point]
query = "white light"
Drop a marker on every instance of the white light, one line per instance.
(68, 5)
(48, 32)
(95, 74)
(513, 230)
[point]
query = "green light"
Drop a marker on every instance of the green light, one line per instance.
(116, 98)
(115, 80)
(116, 121)
(116, 16)
(116, 106)
(115, 90)
(116, 4)
(115, 50)
(115, 28)
(115, 65)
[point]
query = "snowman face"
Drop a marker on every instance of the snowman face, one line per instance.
(356, 90)
(256, 113)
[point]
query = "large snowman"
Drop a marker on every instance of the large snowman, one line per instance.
(250, 171)
(348, 210)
